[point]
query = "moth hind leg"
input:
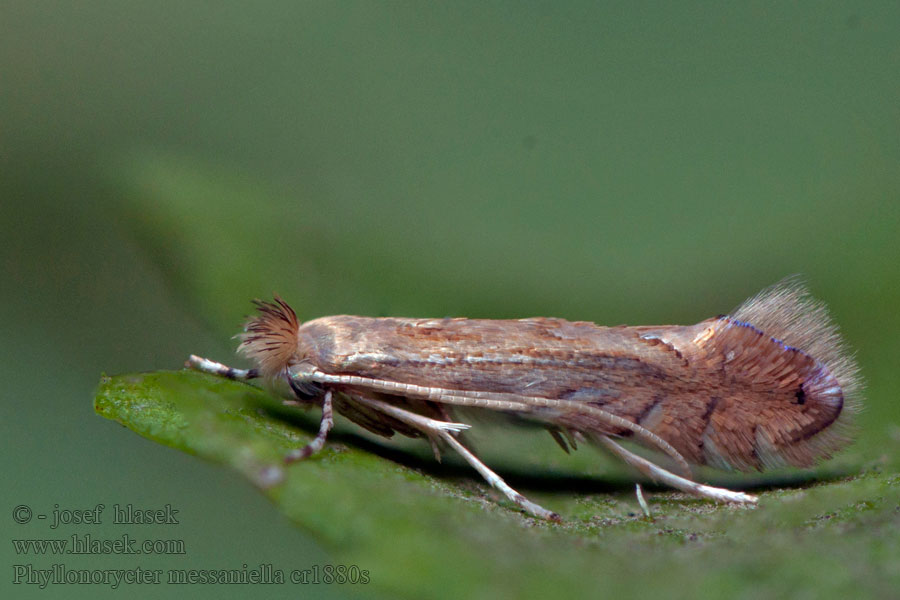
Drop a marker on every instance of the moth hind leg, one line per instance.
(657, 473)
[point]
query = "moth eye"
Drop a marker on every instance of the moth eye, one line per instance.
(800, 395)
(305, 391)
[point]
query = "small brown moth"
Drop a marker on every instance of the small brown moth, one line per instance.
(768, 386)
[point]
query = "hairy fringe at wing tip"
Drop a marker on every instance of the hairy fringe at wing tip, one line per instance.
(787, 312)
(270, 338)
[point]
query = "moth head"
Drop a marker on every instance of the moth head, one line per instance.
(270, 338)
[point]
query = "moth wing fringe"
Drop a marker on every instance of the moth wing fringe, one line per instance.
(787, 312)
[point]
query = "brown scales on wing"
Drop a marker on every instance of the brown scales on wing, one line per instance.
(769, 386)
(802, 386)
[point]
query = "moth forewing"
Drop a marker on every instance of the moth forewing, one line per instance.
(769, 385)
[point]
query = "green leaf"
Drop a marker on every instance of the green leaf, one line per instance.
(459, 538)
(428, 529)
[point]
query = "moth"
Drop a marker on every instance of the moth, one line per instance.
(769, 385)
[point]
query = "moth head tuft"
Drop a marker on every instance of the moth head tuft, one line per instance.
(270, 338)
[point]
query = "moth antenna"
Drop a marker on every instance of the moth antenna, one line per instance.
(270, 338)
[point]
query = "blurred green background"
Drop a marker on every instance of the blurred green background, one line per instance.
(163, 163)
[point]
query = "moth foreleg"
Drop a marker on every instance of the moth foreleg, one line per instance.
(317, 442)
(206, 365)
(657, 473)
(444, 431)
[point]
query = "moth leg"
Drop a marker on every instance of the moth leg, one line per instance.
(503, 401)
(318, 442)
(558, 438)
(657, 473)
(571, 438)
(435, 449)
(443, 430)
(640, 497)
(496, 481)
(206, 365)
